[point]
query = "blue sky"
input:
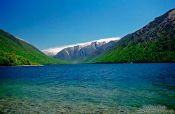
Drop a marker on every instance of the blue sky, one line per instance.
(52, 23)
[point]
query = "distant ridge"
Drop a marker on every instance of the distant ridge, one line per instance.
(82, 51)
(54, 51)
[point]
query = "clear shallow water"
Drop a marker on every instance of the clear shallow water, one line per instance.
(88, 88)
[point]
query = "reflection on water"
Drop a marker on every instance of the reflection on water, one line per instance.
(104, 88)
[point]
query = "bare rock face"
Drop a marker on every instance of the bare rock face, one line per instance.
(171, 14)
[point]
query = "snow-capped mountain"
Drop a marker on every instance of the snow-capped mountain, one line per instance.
(82, 51)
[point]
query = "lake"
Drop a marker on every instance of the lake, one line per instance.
(88, 89)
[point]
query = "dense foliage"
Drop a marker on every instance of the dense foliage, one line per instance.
(12, 59)
(14, 51)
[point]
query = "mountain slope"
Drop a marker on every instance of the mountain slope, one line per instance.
(14, 51)
(155, 42)
(79, 53)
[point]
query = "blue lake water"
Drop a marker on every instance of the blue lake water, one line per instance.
(88, 88)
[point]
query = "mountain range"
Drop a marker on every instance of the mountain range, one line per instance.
(155, 42)
(80, 52)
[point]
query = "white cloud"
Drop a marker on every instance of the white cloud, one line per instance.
(108, 39)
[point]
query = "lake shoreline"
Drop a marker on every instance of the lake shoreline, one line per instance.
(92, 63)
(23, 65)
